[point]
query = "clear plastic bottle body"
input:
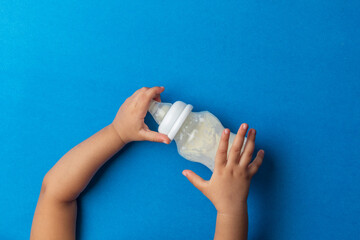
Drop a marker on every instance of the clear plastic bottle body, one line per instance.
(199, 137)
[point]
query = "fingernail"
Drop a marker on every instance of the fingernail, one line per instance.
(184, 173)
(244, 125)
(226, 131)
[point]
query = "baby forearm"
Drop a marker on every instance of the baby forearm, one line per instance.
(232, 227)
(72, 173)
(55, 214)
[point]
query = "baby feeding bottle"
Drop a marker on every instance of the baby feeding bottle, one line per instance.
(197, 134)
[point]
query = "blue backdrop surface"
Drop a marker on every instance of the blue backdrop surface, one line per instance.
(289, 69)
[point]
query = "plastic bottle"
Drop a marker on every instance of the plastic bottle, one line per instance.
(197, 134)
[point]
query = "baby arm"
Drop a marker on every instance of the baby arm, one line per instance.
(55, 214)
(229, 185)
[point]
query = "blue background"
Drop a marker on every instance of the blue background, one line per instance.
(289, 69)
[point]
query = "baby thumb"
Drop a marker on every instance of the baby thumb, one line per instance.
(195, 179)
(156, 137)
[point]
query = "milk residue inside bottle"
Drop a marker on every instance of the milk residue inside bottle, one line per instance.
(197, 134)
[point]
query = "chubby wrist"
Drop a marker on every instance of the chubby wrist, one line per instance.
(118, 133)
(238, 210)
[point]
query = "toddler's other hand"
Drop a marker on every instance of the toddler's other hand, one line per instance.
(129, 121)
(229, 185)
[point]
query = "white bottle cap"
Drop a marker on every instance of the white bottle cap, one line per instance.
(174, 119)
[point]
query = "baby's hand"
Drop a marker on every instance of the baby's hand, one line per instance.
(229, 185)
(129, 121)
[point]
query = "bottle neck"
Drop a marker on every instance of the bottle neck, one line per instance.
(170, 117)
